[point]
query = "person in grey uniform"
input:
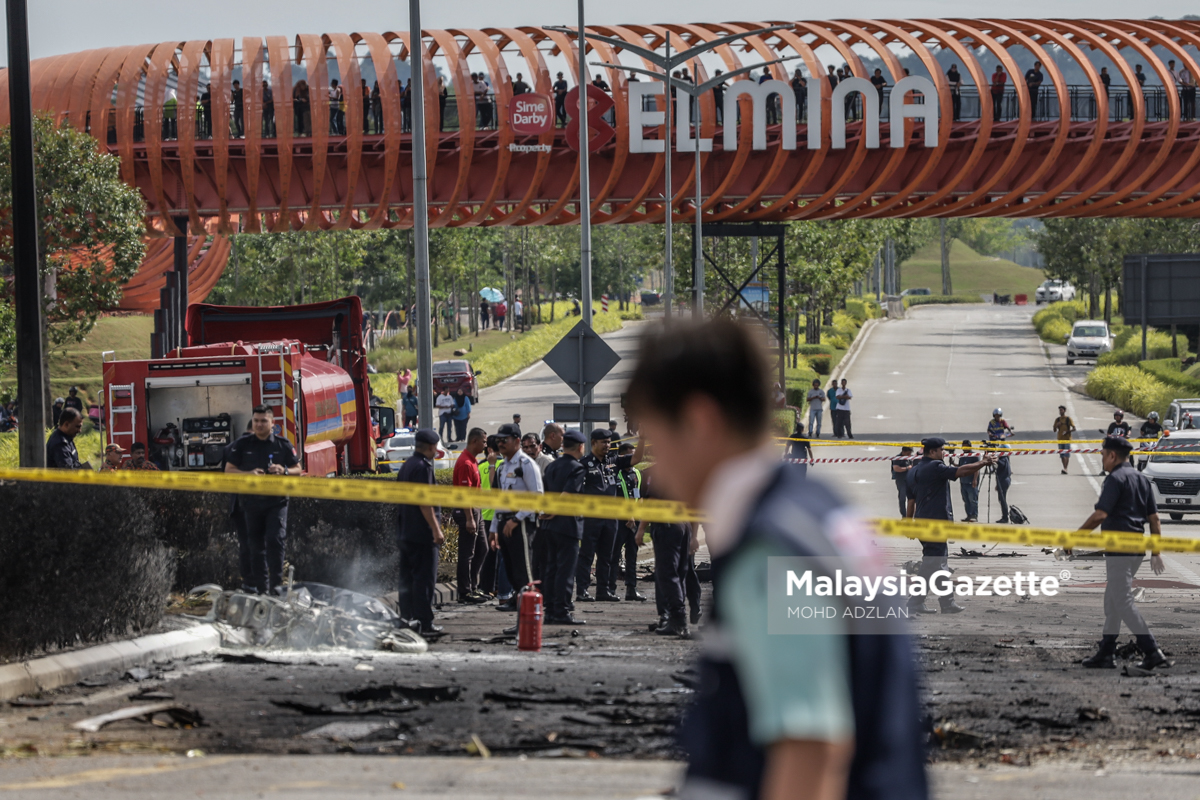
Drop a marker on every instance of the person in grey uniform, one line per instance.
(1126, 504)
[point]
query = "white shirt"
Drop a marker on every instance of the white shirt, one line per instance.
(844, 405)
(1175, 76)
(444, 402)
(530, 480)
(517, 307)
(731, 490)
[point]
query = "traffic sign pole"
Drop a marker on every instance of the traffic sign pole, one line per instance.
(585, 211)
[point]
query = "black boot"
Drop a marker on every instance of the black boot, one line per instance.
(584, 597)
(674, 626)
(1153, 660)
(694, 616)
(662, 620)
(1103, 659)
(634, 594)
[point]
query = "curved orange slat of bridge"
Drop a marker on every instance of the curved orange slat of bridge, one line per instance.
(311, 177)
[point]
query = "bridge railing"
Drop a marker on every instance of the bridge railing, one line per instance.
(1082, 99)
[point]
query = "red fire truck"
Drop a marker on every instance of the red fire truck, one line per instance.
(307, 363)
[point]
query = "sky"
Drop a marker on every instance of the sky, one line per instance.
(66, 26)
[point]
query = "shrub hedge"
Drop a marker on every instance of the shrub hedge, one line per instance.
(1128, 347)
(1131, 389)
(940, 299)
(1054, 322)
(1170, 372)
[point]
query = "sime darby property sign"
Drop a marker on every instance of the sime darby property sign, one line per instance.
(531, 114)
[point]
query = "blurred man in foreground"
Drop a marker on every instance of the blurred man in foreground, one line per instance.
(827, 715)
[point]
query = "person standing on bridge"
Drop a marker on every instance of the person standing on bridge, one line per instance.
(1126, 504)
(954, 77)
(928, 484)
(1033, 82)
(560, 100)
(1064, 426)
(999, 78)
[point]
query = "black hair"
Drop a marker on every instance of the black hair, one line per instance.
(137, 446)
(476, 433)
(719, 359)
(263, 409)
(69, 415)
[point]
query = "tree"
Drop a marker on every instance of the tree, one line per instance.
(90, 229)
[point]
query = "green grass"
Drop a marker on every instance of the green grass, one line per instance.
(495, 355)
(78, 364)
(89, 444)
(970, 272)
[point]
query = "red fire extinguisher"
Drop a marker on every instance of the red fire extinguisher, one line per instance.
(529, 620)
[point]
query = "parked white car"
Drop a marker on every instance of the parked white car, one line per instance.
(395, 450)
(1089, 339)
(1053, 291)
(1175, 474)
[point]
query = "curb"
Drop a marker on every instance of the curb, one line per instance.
(52, 672)
(848, 360)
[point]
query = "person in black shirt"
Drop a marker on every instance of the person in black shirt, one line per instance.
(265, 518)
(671, 542)
(719, 97)
(880, 83)
(560, 100)
(1151, 429)
(1033, 82)
(900, 467)
(955, 79)
(74, 400)
(969, 488)
(56, 411)
(237, 95)
(629, 482)
(929, 498)
(239, 519)
(552, 439)
(563, 534)
(420, 538)
(520, 86)
(599, 535)
(60, 447)
(1126, 504)
(1118, 427)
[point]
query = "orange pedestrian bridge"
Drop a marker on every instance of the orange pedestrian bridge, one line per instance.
(249, 135)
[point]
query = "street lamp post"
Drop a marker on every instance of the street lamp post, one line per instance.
(695, 91)
(416, 52)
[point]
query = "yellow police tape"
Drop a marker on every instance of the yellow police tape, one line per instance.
(583, 505)
(981, 443)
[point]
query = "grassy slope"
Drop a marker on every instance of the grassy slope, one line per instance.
(79, 363)
(970, 272)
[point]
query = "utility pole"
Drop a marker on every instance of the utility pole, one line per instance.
(669, 192)
(27, 282)
(698, 270)
(585, 206)
(420, 218)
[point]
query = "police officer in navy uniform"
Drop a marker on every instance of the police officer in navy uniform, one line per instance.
(672, 561)
(265, 518)
(928, 485)
(60, 447)
(629, 480)
(600, 535)
(421, 539)
(1126, 504)
(831, 714)
(565, 475)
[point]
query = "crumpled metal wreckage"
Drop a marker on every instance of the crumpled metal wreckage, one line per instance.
(310, 616)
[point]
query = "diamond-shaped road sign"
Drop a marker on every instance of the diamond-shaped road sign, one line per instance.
(582, 359)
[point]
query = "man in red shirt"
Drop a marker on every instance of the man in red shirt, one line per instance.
(999, 78)
(472, 540)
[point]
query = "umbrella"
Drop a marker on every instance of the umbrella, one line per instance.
(491, 295)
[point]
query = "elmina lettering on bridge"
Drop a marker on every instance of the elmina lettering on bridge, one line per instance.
(901, 107)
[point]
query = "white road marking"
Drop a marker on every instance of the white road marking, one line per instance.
(950, 360)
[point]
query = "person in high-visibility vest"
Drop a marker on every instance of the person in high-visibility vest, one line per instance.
(630, 480)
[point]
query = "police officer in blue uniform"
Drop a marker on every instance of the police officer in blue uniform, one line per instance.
(600, 535)
(565, 475)
(831, 714)
(928, 485)
(1126, 504)
(265, 518)
(629, 481)
(421, 539)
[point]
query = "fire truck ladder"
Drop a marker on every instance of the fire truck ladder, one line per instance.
(274, 398)
(122, 411)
